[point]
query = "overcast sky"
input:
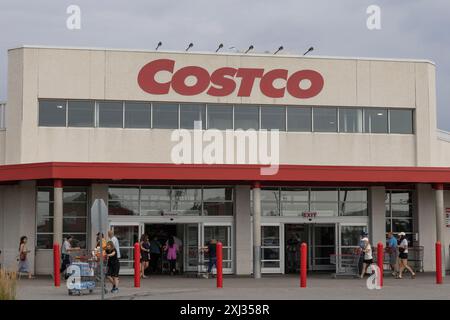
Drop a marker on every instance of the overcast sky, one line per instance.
(409, 29)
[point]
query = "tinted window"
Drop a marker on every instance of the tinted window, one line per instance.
(246, 117)
(325, 119)
(299, 119)
(401, 121)
(81, 114)
(350, 120)
(375, 120)
(52, 113)
(220, 117)
(110, 114)
(165, 115)
(189, 113)
(273, 118)
(137, 115)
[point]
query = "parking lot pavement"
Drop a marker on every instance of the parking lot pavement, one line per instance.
(245, 288)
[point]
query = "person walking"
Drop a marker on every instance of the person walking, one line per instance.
(115, 241)
(65, 253)
(172, 249)
(113, 266)
(368, 258)
(145, 254)
(360, 251)
(24, 266)
(211, 249)
(392, 250)
(155, 253)
(403, 256)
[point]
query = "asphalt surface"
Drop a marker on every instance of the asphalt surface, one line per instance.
(321, 286)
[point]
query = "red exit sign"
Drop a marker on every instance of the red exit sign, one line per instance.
(308, 214)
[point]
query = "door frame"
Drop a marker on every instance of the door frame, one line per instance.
(312, 231)
(112, 224)
(186, 267)
(281, 246)
(202, 225)
(339, 235)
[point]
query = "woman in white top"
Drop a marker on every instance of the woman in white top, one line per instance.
(368, 258)
(403, 256)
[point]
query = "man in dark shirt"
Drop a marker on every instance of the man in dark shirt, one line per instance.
(211, 249)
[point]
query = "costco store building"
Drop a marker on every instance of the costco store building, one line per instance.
(357, 146)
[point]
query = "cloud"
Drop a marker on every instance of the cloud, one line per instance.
(410, 29)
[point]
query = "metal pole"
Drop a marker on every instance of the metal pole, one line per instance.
(439, 204)
(380, 256)
(56, 264)
(137, 265)
(303, 264)
(257, 231)
(438, 263)
(219, 264)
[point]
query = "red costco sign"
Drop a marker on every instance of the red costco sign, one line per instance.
(222, 81)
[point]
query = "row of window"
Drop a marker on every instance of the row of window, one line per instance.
(156, 201)
(215, 201)
(128, 114)
(74, 216)
(399, 213)
(324, 202)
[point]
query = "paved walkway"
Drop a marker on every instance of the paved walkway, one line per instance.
(240, 288)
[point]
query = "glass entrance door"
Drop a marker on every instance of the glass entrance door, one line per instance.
(191, 248)
(222, 233)
(349, 238)
(294, 234)
(323, 244)
(271, 249)
(128, 235)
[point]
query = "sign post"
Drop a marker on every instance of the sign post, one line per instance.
(99, 220)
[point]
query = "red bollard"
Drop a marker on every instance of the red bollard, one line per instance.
(438, 263)
(303, 267)
(380, 258)
(56, 265)
(219, 264)
(137, 265)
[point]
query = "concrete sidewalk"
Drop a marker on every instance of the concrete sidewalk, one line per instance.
(239, 288)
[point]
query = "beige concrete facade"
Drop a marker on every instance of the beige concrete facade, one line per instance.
(62, 73)
(37, 73)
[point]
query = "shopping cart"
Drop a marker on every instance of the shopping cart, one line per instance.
(84, 273)
(346, 264)
(80, 273)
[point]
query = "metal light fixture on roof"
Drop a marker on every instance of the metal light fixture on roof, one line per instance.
(220, 47)
(309, 50)
(159, 45)
(249, 48)
(189, 46)
(278, 50)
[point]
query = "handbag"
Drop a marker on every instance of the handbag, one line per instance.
(23, 256)
(401, 250)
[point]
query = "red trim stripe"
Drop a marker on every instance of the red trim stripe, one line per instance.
(163, 172)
